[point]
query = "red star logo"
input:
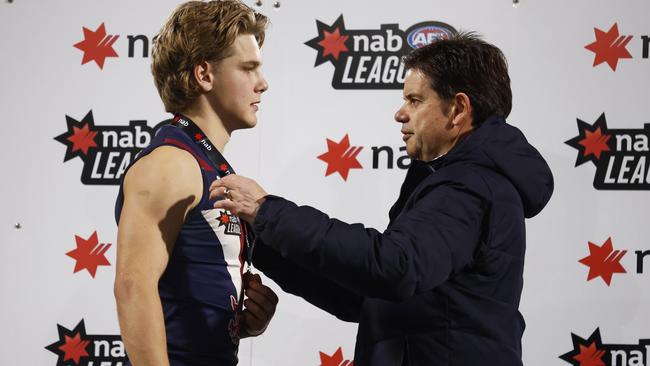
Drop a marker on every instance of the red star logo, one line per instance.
(336, 359)
(590, 356)
(224, 218)
(592, 141)
(333, 43)
(595, 143)
(603, 261)
(330, 42)
(82, 139)
(79, 137)
(89, 254)
(223, 167)
(609, 47)
(586, 352)
(74, 348)
(97, 46)
(340, 157)
(198, 136)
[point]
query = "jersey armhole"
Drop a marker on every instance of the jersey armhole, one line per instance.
(178, 145)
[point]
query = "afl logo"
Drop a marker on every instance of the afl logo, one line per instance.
(424, 33)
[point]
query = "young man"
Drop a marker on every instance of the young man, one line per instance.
(179, 279)
(441, 285)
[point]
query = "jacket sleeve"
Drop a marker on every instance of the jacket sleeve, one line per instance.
(317, 290)
(420, 250)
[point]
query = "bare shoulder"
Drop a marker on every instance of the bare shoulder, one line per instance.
(159, 191)
(163, 178)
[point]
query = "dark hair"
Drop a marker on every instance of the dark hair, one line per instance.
(465, 63)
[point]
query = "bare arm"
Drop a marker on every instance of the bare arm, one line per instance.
(159, 190)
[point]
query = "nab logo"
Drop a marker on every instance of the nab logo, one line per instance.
(604, 261)
(336, 359)
(621, 156)
(106, 151)
(89, 254)
(610, 47)
(593, 352)
(230, 222)
(371, 58)
(341, 157)
(97, 45)
(77, 348)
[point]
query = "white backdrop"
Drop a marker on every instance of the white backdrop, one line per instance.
(554, 80)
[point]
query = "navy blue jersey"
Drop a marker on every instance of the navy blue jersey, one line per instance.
(202, 282)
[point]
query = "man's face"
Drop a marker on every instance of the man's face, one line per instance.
(427, 130)
(238, 84)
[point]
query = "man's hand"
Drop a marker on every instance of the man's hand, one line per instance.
(243, 196)
(259, 306)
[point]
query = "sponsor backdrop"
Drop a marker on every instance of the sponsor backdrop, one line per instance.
(78, 102)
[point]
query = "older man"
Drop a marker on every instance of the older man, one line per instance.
(442, 284)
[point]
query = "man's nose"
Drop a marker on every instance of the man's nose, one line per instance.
(401, 116)
(262, 86)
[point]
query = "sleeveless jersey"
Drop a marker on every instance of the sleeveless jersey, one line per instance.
(202, 282)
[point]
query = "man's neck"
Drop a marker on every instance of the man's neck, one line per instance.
(210, 123)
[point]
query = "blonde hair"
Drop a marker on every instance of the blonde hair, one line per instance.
(198, 31)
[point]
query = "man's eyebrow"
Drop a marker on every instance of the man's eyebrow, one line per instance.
(412, 95)
(252, 63)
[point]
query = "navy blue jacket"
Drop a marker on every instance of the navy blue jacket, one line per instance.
(441, 285)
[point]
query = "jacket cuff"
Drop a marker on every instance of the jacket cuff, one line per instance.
(266, 212)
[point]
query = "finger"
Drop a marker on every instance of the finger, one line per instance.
(233, 194)
(251, 323)
(256, 310)
(217, 192)
(248, 279)
(219, 182)
(262, 300)
(227, 204)
(256, 284)
(272, 296)
(264, 291)
(252, 280)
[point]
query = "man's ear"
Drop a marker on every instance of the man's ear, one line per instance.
(461, 110)
(203, 74)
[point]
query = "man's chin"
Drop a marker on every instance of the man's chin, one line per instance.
(411, 153)
(244, 125)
